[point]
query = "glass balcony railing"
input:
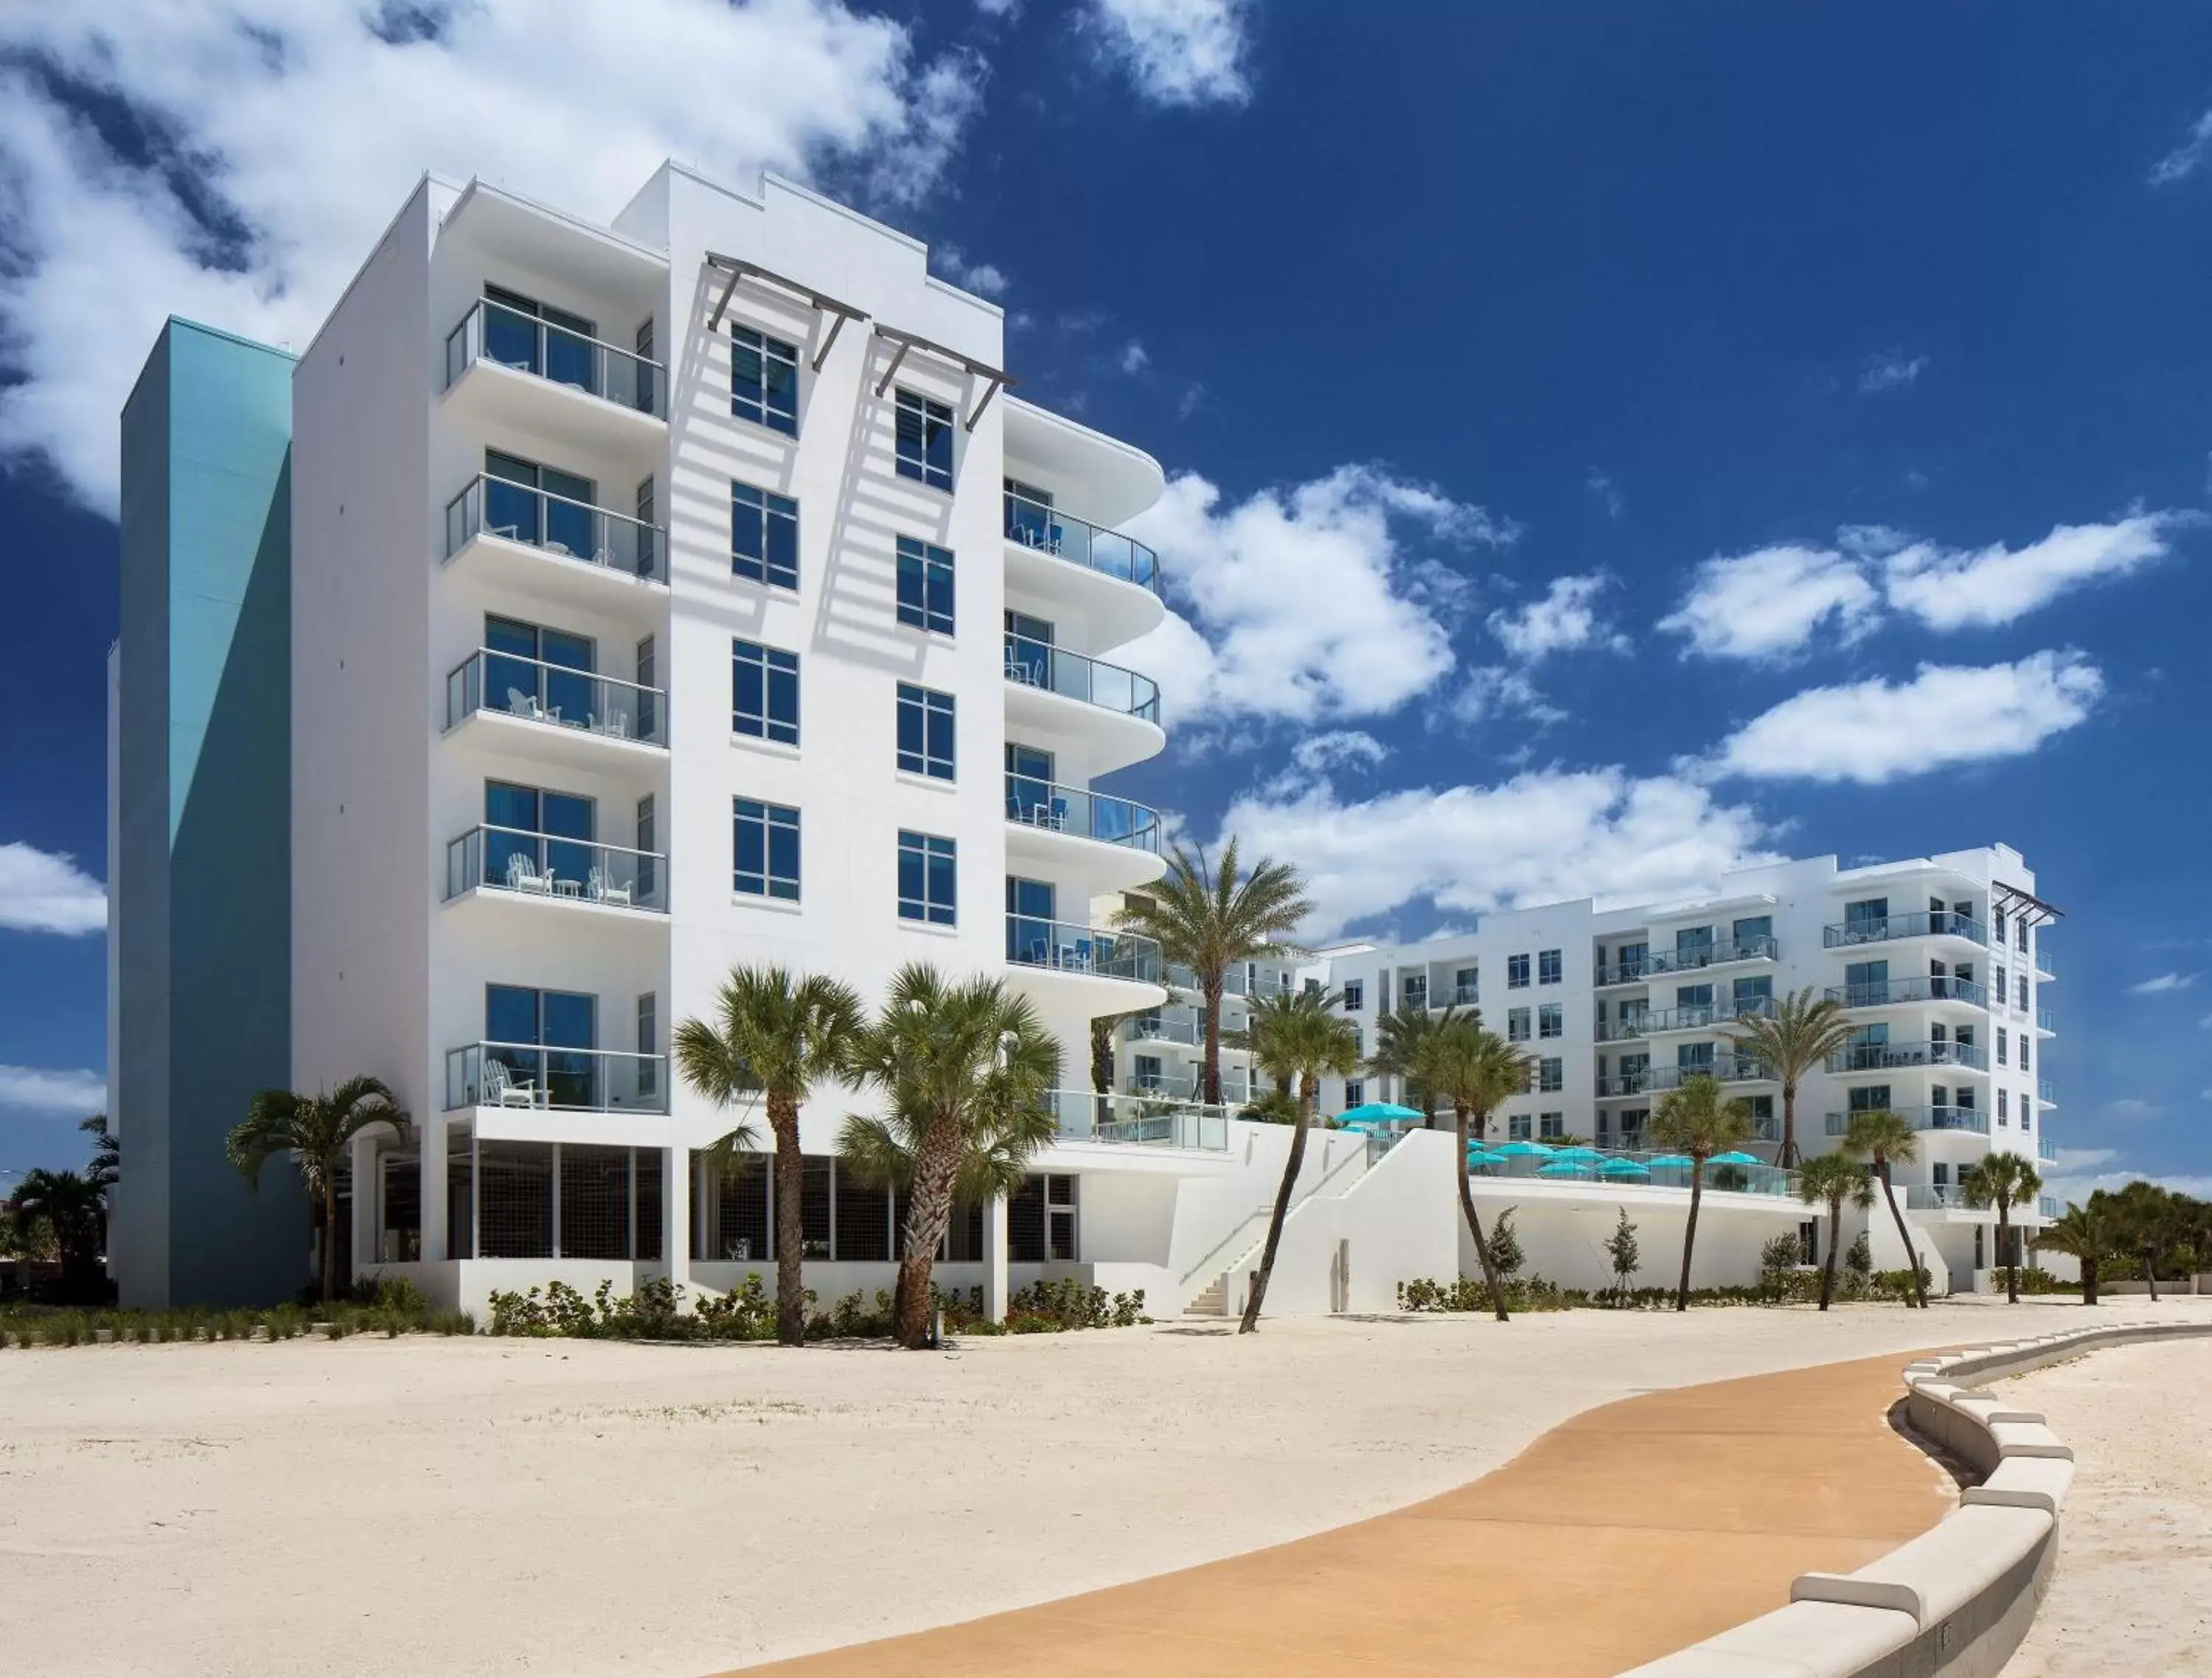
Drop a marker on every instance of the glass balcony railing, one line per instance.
(1888, 1056)
(1182, 1086)
(2042, 960)
(1238, 982)
(1931, 923)
(2046, 1092)
(1139, 1121)
(493, 332)
(556, 696)
(2046, 1020)
(555, 525)
(1626, 1029)
(1067, 947)
(1032, 664)
(1916, 988)
(1934, 1197)
(1165, 1028)
(1924, 1116)
(544, 865)
(1078, 811)
(1727, 1069)
(1049, 531)
(1700, 1016)
(1456, 996)
(1693, 957)
(588, 1081)
(1718, 1179)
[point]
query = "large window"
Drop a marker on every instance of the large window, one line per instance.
(1551, 1020)
(1516, 1025)
(1517, 972)
(543, 1037)
(925, 586)
(928, 879)
(764, 536)
(767, 850)
(1551, 1074)
(925, 731)
(511, 338)
(764, 692)
(764, 380)
(1355, 996)
(1548, 967)
(560, 518)
(924, 441)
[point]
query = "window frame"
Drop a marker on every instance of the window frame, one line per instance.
(937, 858)
(914, 463)
(765, 508)
(927, 561)
(769, 818)
(774, 665)
(768, 349)
(1551, 967)
(1517, 972)
(932, 709)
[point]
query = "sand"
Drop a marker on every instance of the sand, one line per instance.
(2129, 1596)
(551, 1507)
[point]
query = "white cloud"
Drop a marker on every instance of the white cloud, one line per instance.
(1889, 370)
(985, 279)
(1178, 53)
(2132, 1107)
(35, 1090)
(42, 891)
(1496, 691)
(1341, 748)
(1877, 731)
(2073, 1190)
(1609, 496)
(2162, 983)
(1564, 621)
(1951, 588)
(1302, 604)
(1135, 358)
(2182, 161)
(295, 131)
(1769, 603)
(1542, 836)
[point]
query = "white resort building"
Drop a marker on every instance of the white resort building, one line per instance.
(590, 609)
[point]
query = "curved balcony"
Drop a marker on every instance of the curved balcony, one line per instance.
(1085, 1115)
(1899, 1056)
(546, 547)
(1918, 987)
(1053, 691)
(1064, 964)
(1162, 1028)
(1923, 1116)
(1050, 822)
(513, 372)
(1726, 1069)
(1928, 924)
(552, 712)
(1112, 579)
(546, 869)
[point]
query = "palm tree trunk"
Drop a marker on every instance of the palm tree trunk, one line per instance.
(1474, 1224)
(330, 1237)
(1212, 984)
(2150, 1273)
(1911, 1253)
(2012, 1257)
(1690, 1230)
(1828, 1270)
(934, 1168)
(1251, 1320)
(790, 1221)
(2088, 1281)
(1789, 1155)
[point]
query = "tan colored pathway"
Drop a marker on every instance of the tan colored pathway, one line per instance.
(1630, 1531)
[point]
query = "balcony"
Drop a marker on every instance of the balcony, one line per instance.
(1696, 957)
(1069, 948)
(1139, 1122)
(543, 867)
(552, 712)
(534, 1077)
(547, 547)
(1456, 996)
(1917, 987)
(1930, 923)
(1182, 1087)
(1034, 667)
(1113, 579)
(2046, 1092)
(1238, 982)
(509, 370)
(1703, 1016)
(1726, 1069)
(1893, 1057)
(1925, 1117)
(1627, 1028)
(2047, 1021)
(1622, 973)
(1162, 1028)
(1934, 1197)
(2042, 960)
(1045, 815)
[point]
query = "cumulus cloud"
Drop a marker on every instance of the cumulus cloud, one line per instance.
(43, 891)
(1878, 731)
(1135, 358)
(1341, 748)
(1304, 604)
(1565, 620)
(1889, 370)
(1178, 52)
(2163, 983)
(985, 279)
(1769, 603)
(1542, 836)
(35, 1090)
(2182, 161)
(234, 160)
(1951, 588)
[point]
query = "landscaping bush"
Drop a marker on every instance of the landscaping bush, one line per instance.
(390, 1308)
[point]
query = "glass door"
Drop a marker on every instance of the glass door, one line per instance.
(1029, 905)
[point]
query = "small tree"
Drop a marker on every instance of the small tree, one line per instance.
(2003, 1181)
(1882, 1137)
(1473, 1068)
(2091, 1233)
(317, 1131)
(1505, 1245)
(1777, 1257)
(1295, 1037)
(1627, 1257)
(1831, 1179)
(1695, 1119)
(1858, 1262)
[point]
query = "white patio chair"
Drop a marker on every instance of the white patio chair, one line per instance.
(522, 875)
(502, 1089)
(523, 704)
(601, 891)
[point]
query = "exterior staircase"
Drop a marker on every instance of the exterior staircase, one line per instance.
(1239, 1251)
(1210, 1302)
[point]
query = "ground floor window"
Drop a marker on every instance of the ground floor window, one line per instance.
(552, 1199)
(733, 1220)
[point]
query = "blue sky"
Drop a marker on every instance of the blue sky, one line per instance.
(1605, 443)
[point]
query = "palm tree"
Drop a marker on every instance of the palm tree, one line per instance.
(2145, 1216)
(1882, 1137)
(1103, 1028)
(106, 1152)
(1400, 1035)
(964, 1067)
(1831, 1179)
(2091, 1233)
(1695, 1119)
(1296, 1036)
(1207, 919)
(2003, 1181)
(316, 1131)
(1271, 1106)
(69, 1208)
(779, 1036)
(1474, 1069)
(1800, 1034)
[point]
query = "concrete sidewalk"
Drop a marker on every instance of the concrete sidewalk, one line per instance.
(1627, 1533)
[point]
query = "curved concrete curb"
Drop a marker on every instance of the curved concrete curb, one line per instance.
(1957, 1600)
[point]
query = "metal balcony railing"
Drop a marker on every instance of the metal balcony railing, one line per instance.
(555, 695)
(1032, 664)
(1926, 923)
(1050, 531)
(552, 524)
(1703, 1016)
(1924, 1116)
(1890, 1056)
(522, 343)
(1071, 947)
(1139, 1121)
(1695, 957)
(1915, 988)
(544, 865)
(591, 1080)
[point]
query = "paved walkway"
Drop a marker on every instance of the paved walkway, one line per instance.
(1626, 1534)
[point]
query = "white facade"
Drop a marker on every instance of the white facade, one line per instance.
(1939, 960)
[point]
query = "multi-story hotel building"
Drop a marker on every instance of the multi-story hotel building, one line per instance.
(1939, 962)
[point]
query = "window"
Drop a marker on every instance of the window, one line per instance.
(648, 1044)
(1413, 990)
(764, 536)
(764, 692)
(1517, 1128)
(1998, 985)
(2020, 994)
(1548, 967)
(925, 731)
(1355, 997)
(1551, 1126)
(1762, 1119)
(1467, 986)
(527, 1030)
(511, 338)
(2023, 1053)
(924, 441)
(1551, 1074)
(1551, 1020)
(1997, 926)
(767, 850)
(2003, 1036)
(925, 586)
(1754, 996)
(928, 879)
(763, 380)
(1517, 972)
(2021, 941)
(2004, 1107)
(1516, 1025)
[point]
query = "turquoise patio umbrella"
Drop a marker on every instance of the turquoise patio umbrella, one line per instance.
(1623, 1168)
(1577, 1153)
(1376, 1112)
(1523, 1151)
(1563, 1168)
(1736, 1159)
(1670, 1162)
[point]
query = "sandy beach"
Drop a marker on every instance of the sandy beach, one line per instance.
(562, 1507)
(2129, 1596)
